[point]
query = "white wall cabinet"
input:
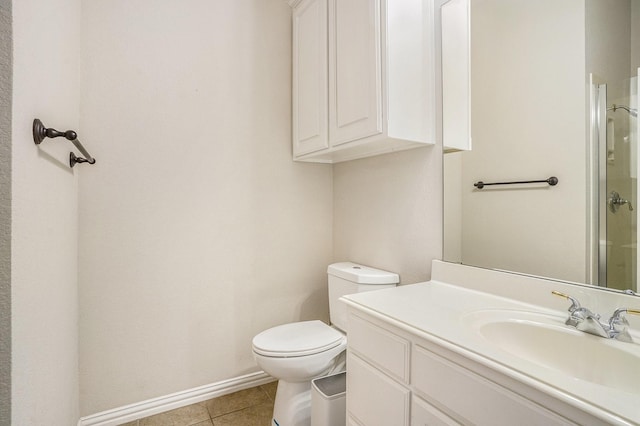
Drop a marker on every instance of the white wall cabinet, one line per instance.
(395, 377)
(363, 78)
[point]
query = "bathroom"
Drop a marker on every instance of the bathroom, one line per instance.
(149, 272)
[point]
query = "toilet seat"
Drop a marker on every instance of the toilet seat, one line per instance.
(297, 339)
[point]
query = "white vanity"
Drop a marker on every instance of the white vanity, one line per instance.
(482, 347)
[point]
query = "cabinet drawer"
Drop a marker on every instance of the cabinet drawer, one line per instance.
(373, 398)
(473, 398)
(379, 346)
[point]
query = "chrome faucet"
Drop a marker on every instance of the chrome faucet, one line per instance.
(584, 320)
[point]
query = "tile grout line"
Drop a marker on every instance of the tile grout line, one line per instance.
(271, 400)
(212, 419)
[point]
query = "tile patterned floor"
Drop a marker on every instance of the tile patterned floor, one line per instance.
(249, 407)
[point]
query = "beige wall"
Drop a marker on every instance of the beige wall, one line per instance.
(197, 230)
(452, 200)
(6, 73)
(44, 215)
(528, 122)
(388, 212)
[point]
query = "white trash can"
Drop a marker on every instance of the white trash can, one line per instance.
(329, 400)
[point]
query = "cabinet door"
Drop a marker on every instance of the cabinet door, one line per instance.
(355, 80)
(425, 414)
(366, 339)
(373, 398)
(309, 90)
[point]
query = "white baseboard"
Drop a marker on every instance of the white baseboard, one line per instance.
(161, 404)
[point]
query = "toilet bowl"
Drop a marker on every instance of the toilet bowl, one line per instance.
(296, 353)
(299, 351)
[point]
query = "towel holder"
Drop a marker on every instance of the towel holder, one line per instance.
(40, 132)
(552, 181)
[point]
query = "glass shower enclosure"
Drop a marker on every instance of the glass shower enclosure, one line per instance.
(615, 115)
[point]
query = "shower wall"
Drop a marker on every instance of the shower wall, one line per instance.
(44, 214)
(197, 230)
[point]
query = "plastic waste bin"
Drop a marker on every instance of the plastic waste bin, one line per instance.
(329, 400)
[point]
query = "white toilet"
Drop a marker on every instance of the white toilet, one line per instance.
(298, 352)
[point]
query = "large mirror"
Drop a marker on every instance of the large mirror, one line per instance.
(553, 93)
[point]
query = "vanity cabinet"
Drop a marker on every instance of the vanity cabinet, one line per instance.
(363, 78)
(397, 377)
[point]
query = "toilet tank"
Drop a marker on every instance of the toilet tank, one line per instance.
(351, 278)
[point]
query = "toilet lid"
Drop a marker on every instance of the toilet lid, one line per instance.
(297, 339)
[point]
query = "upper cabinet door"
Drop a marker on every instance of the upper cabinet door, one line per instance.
(355, 71)
(309, 91)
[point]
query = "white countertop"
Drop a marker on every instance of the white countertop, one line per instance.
(436, 311)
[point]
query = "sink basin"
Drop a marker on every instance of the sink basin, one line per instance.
(545, 340)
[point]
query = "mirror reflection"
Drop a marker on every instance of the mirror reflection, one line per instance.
(553, 93)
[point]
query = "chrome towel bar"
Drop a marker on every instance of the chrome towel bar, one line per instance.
(40, 132)
(552, 181)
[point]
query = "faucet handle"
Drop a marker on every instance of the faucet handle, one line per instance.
(575, 305)
(618, 324)
(618, 316)
(576, 314)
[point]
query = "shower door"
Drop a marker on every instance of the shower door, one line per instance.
(618, 189)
